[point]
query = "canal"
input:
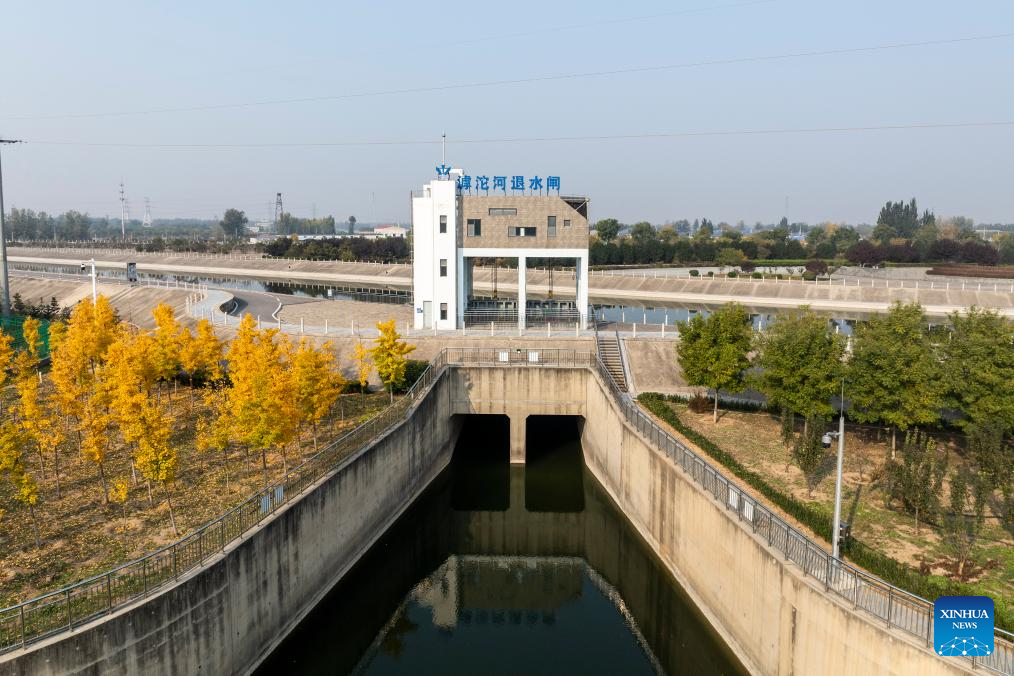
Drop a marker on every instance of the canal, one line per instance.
(501, 569)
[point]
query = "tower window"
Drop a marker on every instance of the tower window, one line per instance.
(519, 231)
(443, 267)
(474, 226)
(443, 224)
(566, 222)
(443, 310)
(503, 211)
(551, 226)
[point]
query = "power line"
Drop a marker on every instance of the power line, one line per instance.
(528, 80)
(547, 139)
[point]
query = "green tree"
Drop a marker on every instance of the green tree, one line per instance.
(916, 480)
(713, 351)
(979, 367)
(607, 229)
(800, 364)
(809, 452)
(352, 225)
(234, 223)
(643, 232)
(893, 374)
(729, 256)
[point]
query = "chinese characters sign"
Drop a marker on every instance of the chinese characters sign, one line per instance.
(516, 184)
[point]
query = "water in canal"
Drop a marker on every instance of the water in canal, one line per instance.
(507, 570)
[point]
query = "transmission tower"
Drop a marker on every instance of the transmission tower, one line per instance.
(278, 209)
(146, 223)
(123, 213)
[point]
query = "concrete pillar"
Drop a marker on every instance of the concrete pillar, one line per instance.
(518, 425)
(522, 298)
(581, 288)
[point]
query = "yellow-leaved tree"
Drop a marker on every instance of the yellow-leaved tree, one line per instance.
(390, 356)
(37, 420)
(128, 377)
(167, 345)
(12, 467)
(201, 355)
(317, 383)
(361, 358)
(213, 429)
(156, 456)
(6, 358)
(261, 397)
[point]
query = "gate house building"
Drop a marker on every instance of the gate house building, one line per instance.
(451, 228)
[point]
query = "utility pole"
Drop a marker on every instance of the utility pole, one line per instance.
(5, 292)
(123, 214)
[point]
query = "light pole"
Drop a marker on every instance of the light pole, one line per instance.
(94, 276)
(836, 525)
(5, 293)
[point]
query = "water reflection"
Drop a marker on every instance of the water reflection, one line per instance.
(533, 580)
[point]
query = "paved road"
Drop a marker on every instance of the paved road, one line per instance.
(261, 303)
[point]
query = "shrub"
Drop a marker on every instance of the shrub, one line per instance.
(695, 273)
(733, 273)
(809, 276)
(699, 404)
(711, 273)
(757, 275)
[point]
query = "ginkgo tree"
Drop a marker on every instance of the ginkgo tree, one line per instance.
(317, 383)
(12, 466)
(390, 356)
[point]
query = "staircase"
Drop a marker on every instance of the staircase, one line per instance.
(609, 353)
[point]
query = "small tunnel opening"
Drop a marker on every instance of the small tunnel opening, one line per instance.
(554, 464)
(480, 464)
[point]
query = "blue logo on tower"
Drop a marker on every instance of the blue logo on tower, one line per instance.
(963, 626)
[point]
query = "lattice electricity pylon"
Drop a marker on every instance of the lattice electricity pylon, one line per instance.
(963, 647)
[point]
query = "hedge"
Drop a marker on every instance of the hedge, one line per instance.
(883, 566)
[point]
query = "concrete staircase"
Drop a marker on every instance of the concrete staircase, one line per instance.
(609, 352)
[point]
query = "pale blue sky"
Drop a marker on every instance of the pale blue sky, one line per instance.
(71, 58)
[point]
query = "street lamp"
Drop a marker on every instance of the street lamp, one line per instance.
(5, 293)
(94, 276)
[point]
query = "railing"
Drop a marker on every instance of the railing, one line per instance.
(72, 606)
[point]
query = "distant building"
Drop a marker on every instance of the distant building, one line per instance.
(452, 229)
(390, 231)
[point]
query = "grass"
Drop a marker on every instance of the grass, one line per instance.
(82, 537)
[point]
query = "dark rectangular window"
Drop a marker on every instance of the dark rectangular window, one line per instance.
(443, 224)
(551, 226)
(443, 267)
(474, 227)
(566, 222)
(503, 211)
(518, 231)
(443, 310)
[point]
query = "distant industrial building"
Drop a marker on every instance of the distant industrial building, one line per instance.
(452, 227)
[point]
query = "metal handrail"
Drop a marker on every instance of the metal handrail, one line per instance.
(66, 608)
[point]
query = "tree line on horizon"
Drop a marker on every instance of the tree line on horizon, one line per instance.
(901, 235)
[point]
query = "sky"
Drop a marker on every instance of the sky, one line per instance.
(106, 92)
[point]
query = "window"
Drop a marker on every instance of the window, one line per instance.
(566, 222)
(443, 267)
(503, 211)
(516, 231)
(474, 227)
(443, 310)
(443, 224)
(551, 226)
